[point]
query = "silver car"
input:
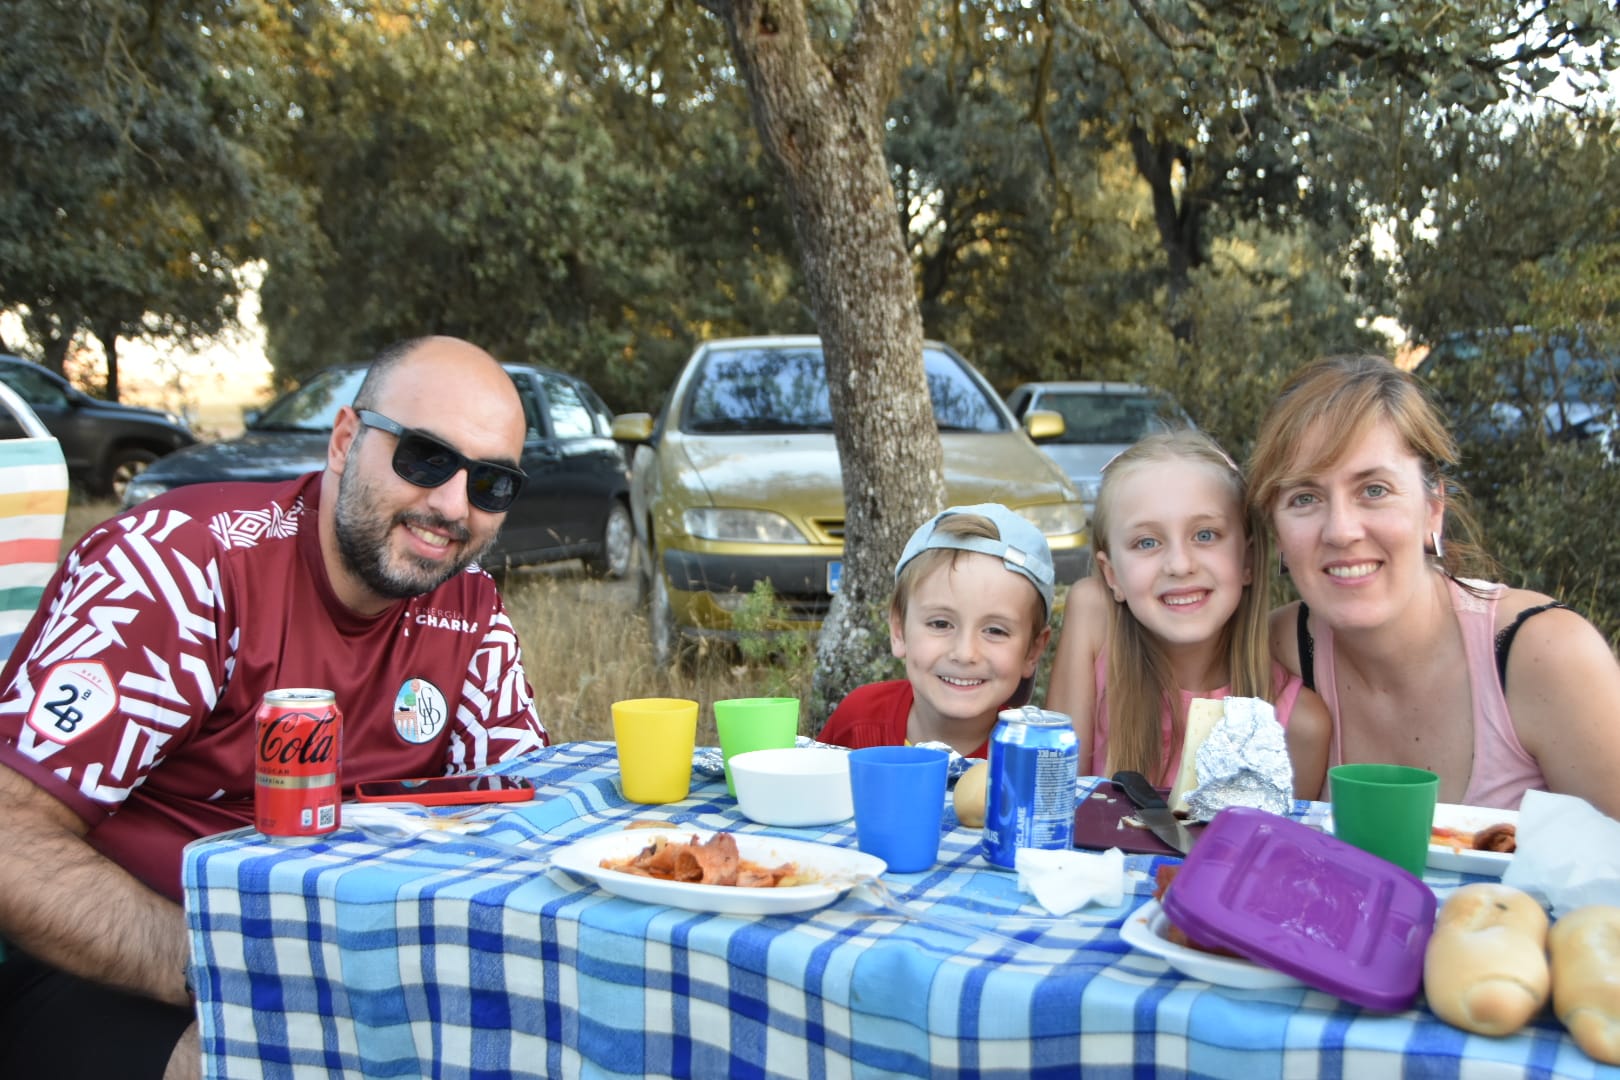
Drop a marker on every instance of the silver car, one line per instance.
(1099, 420)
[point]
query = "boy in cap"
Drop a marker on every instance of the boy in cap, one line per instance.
(972, 595)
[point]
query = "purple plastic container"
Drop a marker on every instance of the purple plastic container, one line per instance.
(1306, 904)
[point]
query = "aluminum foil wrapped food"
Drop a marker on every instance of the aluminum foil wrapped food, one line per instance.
(1242, 761)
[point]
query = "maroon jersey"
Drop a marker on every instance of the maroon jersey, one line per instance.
(131, 695)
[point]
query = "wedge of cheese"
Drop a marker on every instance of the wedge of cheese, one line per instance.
(1202, 716)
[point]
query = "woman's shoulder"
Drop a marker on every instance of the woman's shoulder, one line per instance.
(1544, 629)
(1512, 603)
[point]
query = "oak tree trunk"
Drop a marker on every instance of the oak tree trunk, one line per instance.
(108, 336)
(820, 115)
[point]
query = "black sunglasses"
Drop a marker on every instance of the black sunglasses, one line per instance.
(427, 462)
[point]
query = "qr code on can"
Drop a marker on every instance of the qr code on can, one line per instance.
(328, 816)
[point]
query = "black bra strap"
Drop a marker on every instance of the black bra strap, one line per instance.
(1307, 649)
(1504, 637)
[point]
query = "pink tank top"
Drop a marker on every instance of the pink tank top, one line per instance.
(1170, 747)
(1503, 770)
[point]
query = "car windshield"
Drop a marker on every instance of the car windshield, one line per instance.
(785, 389)
(1106, 418)
(313, 406)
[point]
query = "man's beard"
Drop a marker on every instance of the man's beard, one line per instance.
(362, 538)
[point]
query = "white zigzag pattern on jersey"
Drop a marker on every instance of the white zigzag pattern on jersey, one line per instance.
(494, 686)
(95, 602)
(245, 528)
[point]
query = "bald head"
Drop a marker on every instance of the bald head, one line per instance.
(448, 380)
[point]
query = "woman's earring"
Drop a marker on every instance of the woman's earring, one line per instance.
(1119, 597)
(1282, 565)
(1439, 551)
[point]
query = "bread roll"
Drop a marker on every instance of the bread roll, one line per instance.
(969, 796)
(1486, 966)
(1202, 716)
(1586, 978)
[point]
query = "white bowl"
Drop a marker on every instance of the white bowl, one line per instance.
(793, 786)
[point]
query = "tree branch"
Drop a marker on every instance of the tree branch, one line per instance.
(1169, 34)
(878, 49)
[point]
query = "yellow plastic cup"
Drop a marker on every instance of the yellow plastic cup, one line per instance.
(655, 738)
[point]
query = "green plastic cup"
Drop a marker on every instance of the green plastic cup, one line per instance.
(757, 723)
(1385, 810)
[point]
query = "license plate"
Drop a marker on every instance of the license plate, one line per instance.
(835, 574)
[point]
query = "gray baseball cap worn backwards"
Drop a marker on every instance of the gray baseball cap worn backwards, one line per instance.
(1021, 549)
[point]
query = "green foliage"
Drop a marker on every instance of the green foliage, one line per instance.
(1549, 513)
(783, 653)
(128, 194)
(487, 170)
(1179, 194)
(1523, 235)
(1263, 306)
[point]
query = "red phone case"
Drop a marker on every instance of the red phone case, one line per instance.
(443, 798)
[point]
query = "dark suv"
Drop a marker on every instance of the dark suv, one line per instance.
(574, 505)
(106, 444)
(1500, 384)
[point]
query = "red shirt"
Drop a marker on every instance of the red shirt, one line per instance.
(875, 715)
(131, 695)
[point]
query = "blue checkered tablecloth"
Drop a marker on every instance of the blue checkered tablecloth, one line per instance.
(464, 957)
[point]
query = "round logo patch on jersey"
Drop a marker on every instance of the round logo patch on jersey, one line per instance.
(420, 712)
(74, 696)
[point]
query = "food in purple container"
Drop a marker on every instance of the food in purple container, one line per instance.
(1306, 904)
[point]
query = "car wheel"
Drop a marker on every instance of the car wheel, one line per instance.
(644, 571)
(618, 545)
(125, 465)
(666, 640)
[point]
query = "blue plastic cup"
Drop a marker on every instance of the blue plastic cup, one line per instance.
(899, 795)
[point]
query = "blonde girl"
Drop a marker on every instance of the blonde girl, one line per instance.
(1176, 608)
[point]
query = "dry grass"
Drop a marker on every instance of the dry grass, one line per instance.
(82, 516)
(585, 646)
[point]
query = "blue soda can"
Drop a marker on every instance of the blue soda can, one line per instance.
(1034, 776)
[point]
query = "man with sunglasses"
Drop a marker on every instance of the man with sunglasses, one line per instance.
(127, 709)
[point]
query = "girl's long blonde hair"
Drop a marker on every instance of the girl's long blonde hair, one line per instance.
(1139, 682)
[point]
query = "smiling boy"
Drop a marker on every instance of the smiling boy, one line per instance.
(972, 595)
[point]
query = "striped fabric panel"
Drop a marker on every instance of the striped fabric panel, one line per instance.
(33, 503)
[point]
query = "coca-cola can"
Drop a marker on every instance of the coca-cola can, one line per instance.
(296, 792)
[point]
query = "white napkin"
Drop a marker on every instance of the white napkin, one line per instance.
(1064, 880)
(393, 820)
(1568, 853)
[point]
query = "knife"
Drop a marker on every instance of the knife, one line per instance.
(1153, 811)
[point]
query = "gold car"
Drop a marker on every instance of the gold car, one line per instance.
(737, 480)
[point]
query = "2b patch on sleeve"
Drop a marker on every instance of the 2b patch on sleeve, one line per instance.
(73, 698)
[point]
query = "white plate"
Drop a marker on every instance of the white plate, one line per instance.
(839, 868)
(1148, 929)
(1468, 819)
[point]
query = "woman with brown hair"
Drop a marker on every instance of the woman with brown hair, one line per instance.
(1498, 690)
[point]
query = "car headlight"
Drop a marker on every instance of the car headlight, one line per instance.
(1056, 519)
(140, 489)
(744, 526)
